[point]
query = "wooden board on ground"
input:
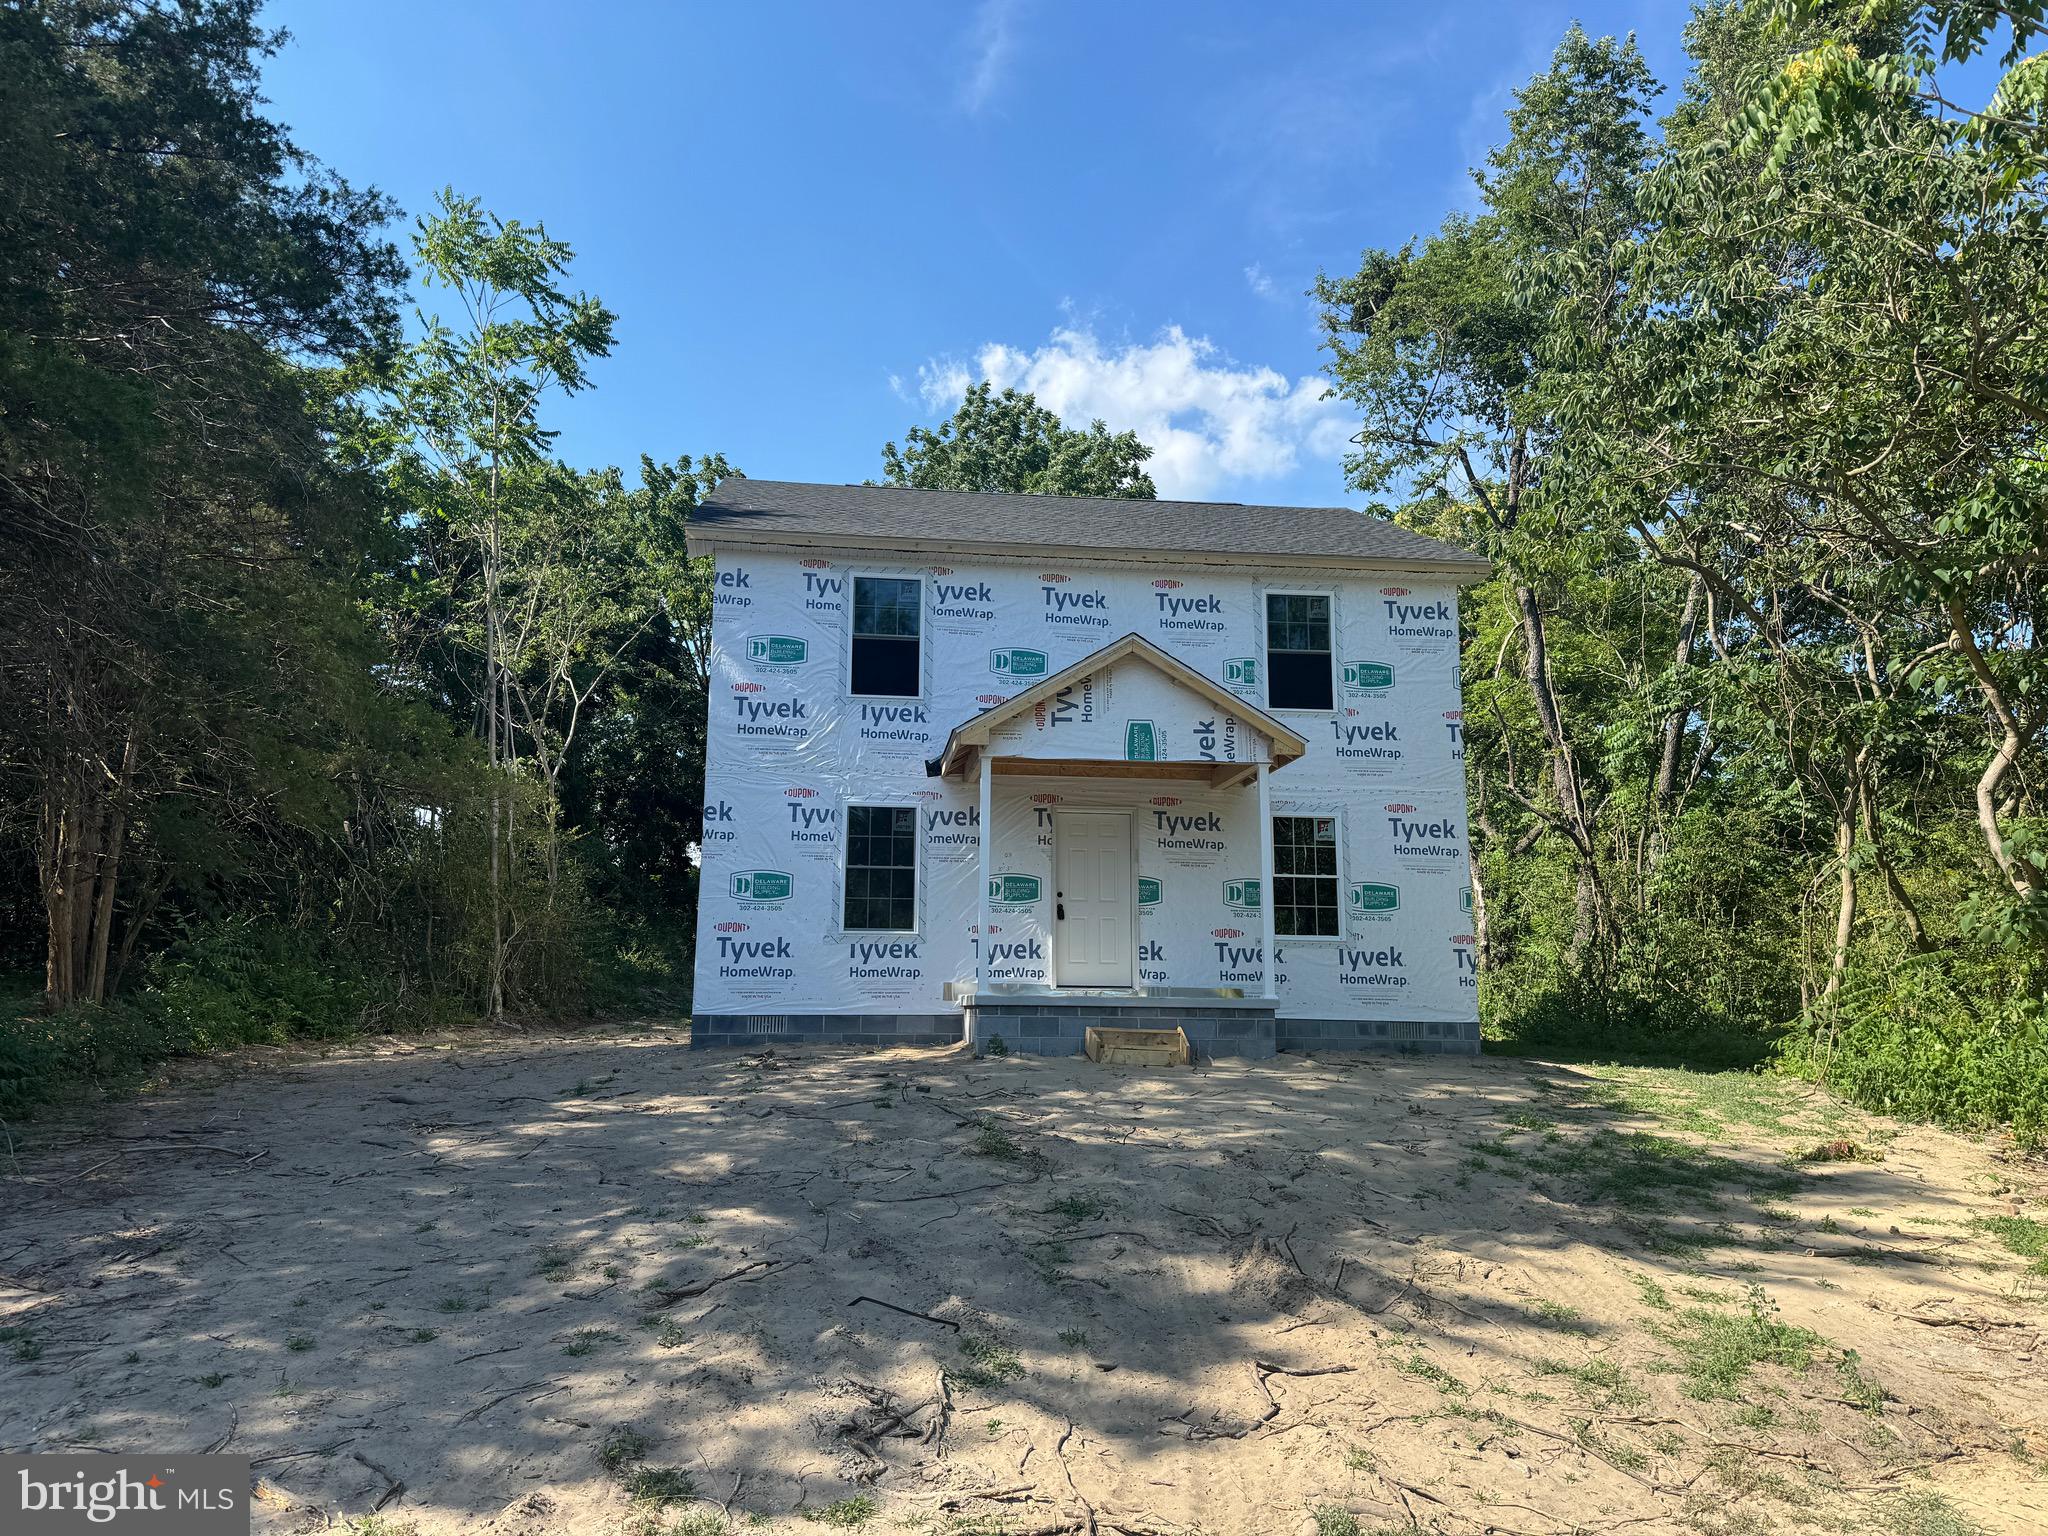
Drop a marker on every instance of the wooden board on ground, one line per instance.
(1139, 1047)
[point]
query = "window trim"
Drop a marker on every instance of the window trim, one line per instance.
(1336, 818)
(917, 861)
(853, 578)
(1266, 648)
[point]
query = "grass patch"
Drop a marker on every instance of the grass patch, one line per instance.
(299, 1343)
(1428, 1370)
(2022, 1234)
(991, 1140)
(1718, 1349)
(988, 1363)
(621, 1448)
(1074, 1338)
(587, 1341)
(660, 1485)
(844, 1514)
(1926, 1513)
(1075, 1209)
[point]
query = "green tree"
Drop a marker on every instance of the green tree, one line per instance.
(176, 280)
(1009, 442)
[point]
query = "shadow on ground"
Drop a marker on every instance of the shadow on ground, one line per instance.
(912, 1289)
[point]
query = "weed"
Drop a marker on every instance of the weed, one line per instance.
(1359, 1459)
(211, 1379)
(1334, 1520)
(133, 1357)
(1074, 1338)
(1556, 1313)
(26, 1346)
(423, 1227)
(1718, 1349)
(425, 1335)
(1075, 1209)
(621, 1448)
(378, 1525)
(1434, 1374)
(996, 1046)
(589, 1340)
(1926, 1513)
(1652, 1293)
(670, 1334)
(1528, 1120)
(298, 1343)
(846, 1514)
(989, 1363)
(1858, 1388)
(454, 1301)
(2024, 1235)
(554, 1261)
(991, 1140)
(612, 1271)
(660, 1485)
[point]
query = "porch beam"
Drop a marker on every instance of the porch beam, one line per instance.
(1266, 891)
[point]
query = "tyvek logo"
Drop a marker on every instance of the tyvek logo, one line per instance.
(1007, 893)
(1368, 677)
(777, 651)
(762, 887)
(1141, 741)
(1148, 893)
(1464, 898)
(1241, 896)
(1241, 672)
(1017, 661)
(1368, 899)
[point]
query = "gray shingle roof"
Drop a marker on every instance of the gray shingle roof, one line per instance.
(791, 513)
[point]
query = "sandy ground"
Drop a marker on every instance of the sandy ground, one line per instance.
(1333, 1295)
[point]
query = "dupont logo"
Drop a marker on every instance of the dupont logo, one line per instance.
(1463, 940)
(777, 651)
(748, 688)
(1241, 672)
(1397, 806)
(801, 792)
(1009, 892)
(815, 564)
(1166, 799)
(939, 570)
(1045, 799)
(1017, 661)
(991, 699)
(1369, 677)
(1226, 933)
(927, 794)
(1464, 898)
(729, 926)
(1166, 584)
(1393, 591)
(1148, 893)
(1369, 899)
(1053, 576)
(1241, 895)
(762, 887)
(1141, 741)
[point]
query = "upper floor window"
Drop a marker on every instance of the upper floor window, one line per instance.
(888, 618)
(1298, 672)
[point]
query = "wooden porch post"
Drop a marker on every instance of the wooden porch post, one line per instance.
(1266, 892)
(987, 868)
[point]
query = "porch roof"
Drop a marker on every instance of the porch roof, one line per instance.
(972, 736)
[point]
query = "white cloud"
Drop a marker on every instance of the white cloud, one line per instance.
(991, 44)
(1258, 280)
(1214, 424)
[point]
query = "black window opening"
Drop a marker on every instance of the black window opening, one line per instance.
(1298, 672)
(888, 614)
(881, 867)
(1305, 877)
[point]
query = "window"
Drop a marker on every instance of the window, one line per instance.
(881, 867)
(1305, 877)
(888, 614)
(1298, 651)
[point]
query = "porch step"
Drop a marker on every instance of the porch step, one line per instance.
(1138, 1047)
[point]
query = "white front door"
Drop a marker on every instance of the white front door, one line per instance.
(1095, 934)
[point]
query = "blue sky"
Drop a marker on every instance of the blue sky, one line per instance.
(816, 222)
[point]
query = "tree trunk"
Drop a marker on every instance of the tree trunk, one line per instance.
(1916, 931)
(1845, 904)
(1674, 728)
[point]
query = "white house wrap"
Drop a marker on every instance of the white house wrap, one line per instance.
(1100, 675)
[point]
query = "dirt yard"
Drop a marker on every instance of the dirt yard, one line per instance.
(598, 1284)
